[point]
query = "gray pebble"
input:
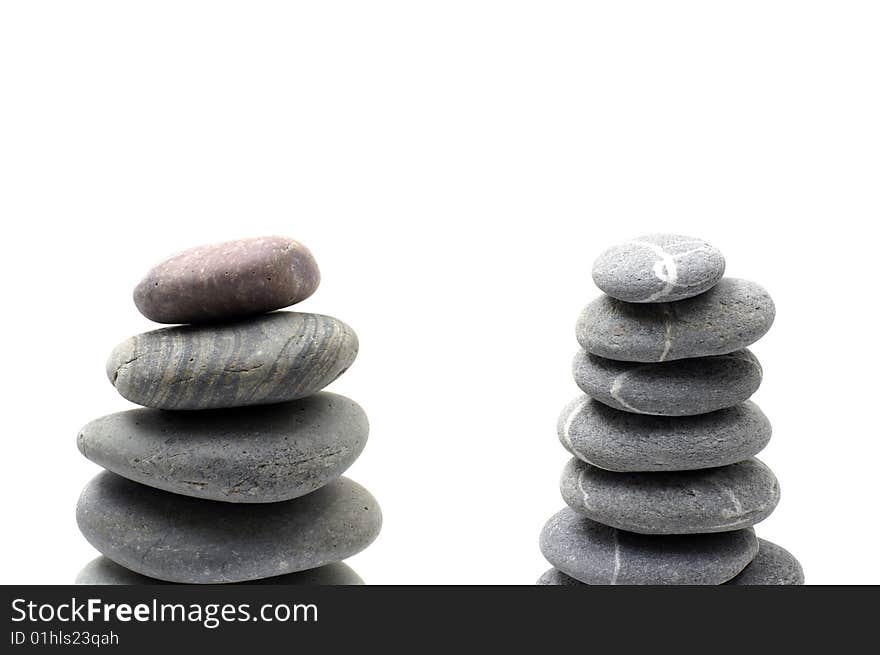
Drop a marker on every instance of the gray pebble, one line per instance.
(269, 359)
(557, 578)
(598, 554)
(229, 280)
(683, 387)
(622, 441)
(181, 539)
(681, 502)
(104, 571)
(658, 268)
(730, 316)
(244, 455)
(773, 565)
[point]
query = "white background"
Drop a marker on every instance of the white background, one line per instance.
(455, 167)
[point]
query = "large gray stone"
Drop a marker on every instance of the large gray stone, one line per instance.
(658, 268)
(730, 316)
(244, 455)
(598, 554)
(683, 387)
(182, 539)
(623, 441)
(773, 565)
(229, 280)
(681, 502)
(269, 359)
(104, 571)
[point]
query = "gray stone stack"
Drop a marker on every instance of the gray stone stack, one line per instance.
(232, 473)
(664, 487)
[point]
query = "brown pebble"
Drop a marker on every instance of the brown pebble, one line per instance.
(228, 280)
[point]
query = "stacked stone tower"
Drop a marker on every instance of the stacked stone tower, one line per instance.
(664, 487)
(232, 472)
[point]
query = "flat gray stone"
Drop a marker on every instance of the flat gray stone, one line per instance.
(773, 565)
(229, 280)
(190, 540)
(244, 455)
(683, 387)
(730, 316)
(680, 502)
(269, 359)
(598, 554)
(623, 441)
(658, 268)
(104, 571)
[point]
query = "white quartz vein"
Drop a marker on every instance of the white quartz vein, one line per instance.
(665, 269)
(566, 427)
(580, 485)
(667, 322)
(616, 571)
(617, 385)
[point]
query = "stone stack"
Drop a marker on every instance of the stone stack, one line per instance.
(664, 487)
(232, 472)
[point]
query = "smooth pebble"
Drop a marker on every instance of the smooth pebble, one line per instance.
(269, 359)
(730, 316)
(245, 455)
(623, 441)
(181, 539)
(658, 268)
(598, 554)
(229, 280)
(104, 571)
(773, 565)
(679, 502)
(682, 387)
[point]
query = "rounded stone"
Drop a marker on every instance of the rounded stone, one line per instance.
(268, 359)
(190, 540)
(104, 571)
(681, 502)
(730, 316)
(683, 387)
(228, 280)
(243, 455)
(623, 441)
(599, 554)
(773, 565)
(658, 268)
(555, 577)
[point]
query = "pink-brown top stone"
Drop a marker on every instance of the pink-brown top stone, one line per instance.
(228, 280)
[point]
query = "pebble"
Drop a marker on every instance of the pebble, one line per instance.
(682, 502)
(730, 316)
(773, 565)
(269, 359)
(598, 554)
(243, 455)
(190, 540)
(104, 571)
(683, 387)
(557, 578)
(623, 441)
(228, 280)
(658, 268)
